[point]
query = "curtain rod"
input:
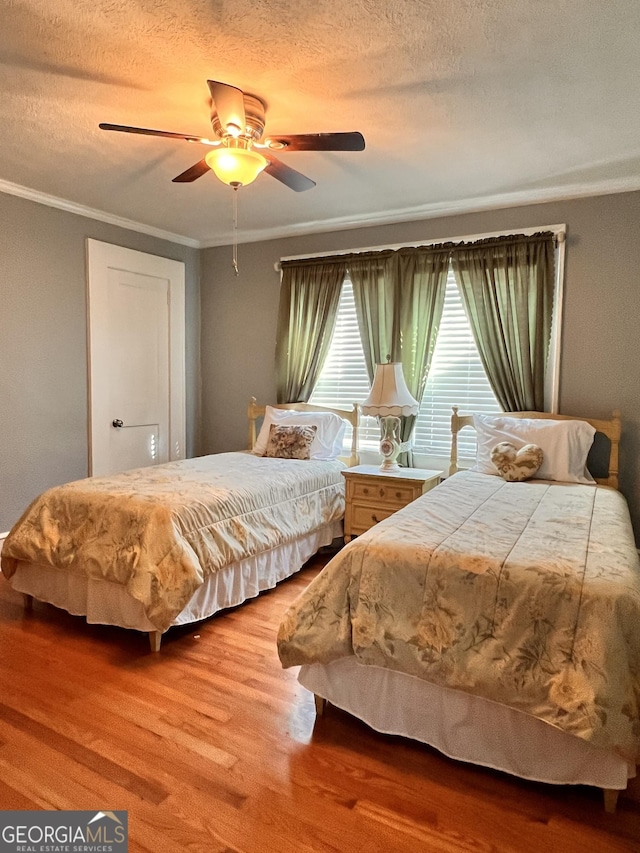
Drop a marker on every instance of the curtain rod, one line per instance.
(560, 232)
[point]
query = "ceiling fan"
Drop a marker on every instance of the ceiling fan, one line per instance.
(238, 152)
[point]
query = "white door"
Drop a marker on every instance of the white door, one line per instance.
(136, 358)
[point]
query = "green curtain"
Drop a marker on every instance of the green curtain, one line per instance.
(309, 296)
(399, 298)
(507, 286)
(421, 287)
(374, 279)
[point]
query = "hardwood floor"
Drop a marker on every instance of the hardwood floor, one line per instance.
(212, 747)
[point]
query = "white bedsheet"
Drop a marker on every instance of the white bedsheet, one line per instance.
(464, 727)
(106, 603)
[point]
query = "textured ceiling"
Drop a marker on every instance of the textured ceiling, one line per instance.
(463, 104)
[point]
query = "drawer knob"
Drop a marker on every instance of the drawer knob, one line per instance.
(366, 491)
(382, 492)
(374, 518)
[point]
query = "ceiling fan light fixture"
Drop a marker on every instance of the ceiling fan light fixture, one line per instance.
(238, 121)
(235, 166)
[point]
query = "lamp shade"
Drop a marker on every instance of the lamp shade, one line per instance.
(235, 166)
(389, 393)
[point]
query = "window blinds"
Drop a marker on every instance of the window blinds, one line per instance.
(456, 378)
(344, 379)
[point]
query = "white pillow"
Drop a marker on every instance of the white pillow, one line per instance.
(327, 443)
(565, 445)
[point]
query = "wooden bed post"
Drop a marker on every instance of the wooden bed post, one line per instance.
(354, 458)
(455, 428)
(155, 638)
(614, 437)
(321, 705)
(610, 800)
(252, 415)
(28, 601)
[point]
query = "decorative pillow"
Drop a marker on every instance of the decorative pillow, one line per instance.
(329, 436)
(565, 444)
(290, 441)
(516, 465)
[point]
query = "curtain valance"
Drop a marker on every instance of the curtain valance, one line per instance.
(342, 260)
(382, 255)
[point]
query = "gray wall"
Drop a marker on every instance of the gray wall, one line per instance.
(43, 345)
(43, 357)
(600, 355)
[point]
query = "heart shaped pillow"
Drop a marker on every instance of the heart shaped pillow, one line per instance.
(516, 465)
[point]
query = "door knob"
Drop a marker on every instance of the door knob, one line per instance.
(117, 423)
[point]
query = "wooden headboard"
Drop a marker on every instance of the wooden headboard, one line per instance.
(610, 428)
(352, 416)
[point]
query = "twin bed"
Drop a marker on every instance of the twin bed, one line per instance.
(175, 543)
(498, 621)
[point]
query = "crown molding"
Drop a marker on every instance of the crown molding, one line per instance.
(92, 213)
(433, 211)
(344, 223)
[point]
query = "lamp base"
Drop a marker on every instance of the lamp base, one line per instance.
(390, 443)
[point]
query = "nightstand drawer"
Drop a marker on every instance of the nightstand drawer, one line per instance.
(364, 517)
(372, 494)
(389, 493)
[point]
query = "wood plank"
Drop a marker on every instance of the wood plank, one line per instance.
(77, 752)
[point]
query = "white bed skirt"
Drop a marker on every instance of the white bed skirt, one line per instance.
(107, 603)
(465, 727)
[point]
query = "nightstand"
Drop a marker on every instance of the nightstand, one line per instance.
(372, 494)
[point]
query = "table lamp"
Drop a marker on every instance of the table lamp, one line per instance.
(388, 399)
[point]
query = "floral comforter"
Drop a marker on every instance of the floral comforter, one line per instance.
(160, 531)
(527, 594)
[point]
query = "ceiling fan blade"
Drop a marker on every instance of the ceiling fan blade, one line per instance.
(296, 181)
(196, 171)
(147, 132)
(353, 141)
(228, 102)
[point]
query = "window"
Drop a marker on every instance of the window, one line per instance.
(456, 377)
(344, 379)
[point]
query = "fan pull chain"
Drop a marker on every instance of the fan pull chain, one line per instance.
(235, 230)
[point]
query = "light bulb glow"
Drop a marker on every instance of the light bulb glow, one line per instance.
(235, 166)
